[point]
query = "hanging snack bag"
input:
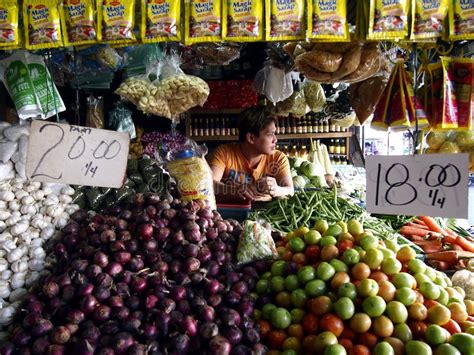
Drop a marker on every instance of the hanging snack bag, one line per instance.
(428, 19)
(284, 20)
(381, 117)
(9, 32)
(461, 72)
(413, 104)
(42, 24)
(399, 118)
(461, 20)
(388, 19)
(243, 20)
(449, 113)
(45, 89)
(15, 76)
(327, 20)
(116, 20)
(160, 21)
(203, 21)
(435, 72)
(78, 22)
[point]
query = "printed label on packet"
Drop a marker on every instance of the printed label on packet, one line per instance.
(9, 33)
(327, 20)
(203, 21)
(116, 21)
(78, 20)
(428, 18)
(285, 20)
(243, 20)
(388, 19)
(42, 24)
(461, 20)
(160, 20)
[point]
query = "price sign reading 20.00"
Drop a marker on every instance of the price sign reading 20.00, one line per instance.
(76, 155)
(431, 185)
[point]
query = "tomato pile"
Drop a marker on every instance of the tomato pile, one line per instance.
(339, 290)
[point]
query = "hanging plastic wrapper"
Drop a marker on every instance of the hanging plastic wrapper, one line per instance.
(116, 21)
(428, 19)
(217, 53)
(255, 243)
(461, 20)
(284, 20)
(42, 24)
(243, 20)
(327, 20)
(9, 25)
(109, 57)
(203, 21)
(314, 95)
(120, 120)
(79, 25)
(160, 21)
(193, 175)
(388, 19)
(294, 105)
(274, 83)
(95, 112)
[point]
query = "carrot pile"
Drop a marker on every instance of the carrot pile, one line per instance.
(443, 247)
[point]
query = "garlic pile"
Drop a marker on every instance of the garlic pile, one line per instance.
(13, 149)
(30, 214)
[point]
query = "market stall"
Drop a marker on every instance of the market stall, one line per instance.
(112, 238)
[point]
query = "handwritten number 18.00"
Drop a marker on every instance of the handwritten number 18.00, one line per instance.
(393, 184)
(48, 151)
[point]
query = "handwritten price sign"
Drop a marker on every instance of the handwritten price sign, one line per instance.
(430, 185)
(76, 155)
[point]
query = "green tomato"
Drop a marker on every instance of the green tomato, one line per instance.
(373, 258)
(383, 348)
(280, 318)
(278, 268)
(348, 290)
(296, 244)
(391, 266)
(335, 349)
(277, 284)
(403, 332)
(430, 290)
(297, 315)
(446, 349)
(298, 298)
(406, 296)
(351, 257)
(443, 296)
(312, 237)
(321, 226)
(327, 241)
(374, 306)
(369, 242)
(435, 335)
(338, 265)
(261, 286)
(305, 274)
(368, 287)
(416, 347)
(463, 342)
(344, 308)
(315, 288)
(416, 266)
(267, 310)
(325, 271)
(291, 283)
(404, 279)
(397, 312)
(334, 230)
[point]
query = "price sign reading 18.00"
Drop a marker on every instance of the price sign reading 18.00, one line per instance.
(432, 185)
(77, 155)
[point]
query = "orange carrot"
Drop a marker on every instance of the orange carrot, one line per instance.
(416, 238)
(465, 244)
(457, 247)
(447, 238)
(407, 230)
(418, 221)
(450, 256)
(420, 226)
(432, 224)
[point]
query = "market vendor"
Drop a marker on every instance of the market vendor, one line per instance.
(252, 169)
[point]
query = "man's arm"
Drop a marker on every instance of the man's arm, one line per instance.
(245, 192)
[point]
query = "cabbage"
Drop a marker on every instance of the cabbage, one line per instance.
(309, 170)
(293, 173)
(299, 182)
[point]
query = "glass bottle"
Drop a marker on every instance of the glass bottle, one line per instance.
(201, 127)
(223, 127)
(305, 125)
(293, 151)
(338, 128)
(217, 129)
(195, 127)
(337, 148)
(315, 125)
(331, 146)
(212, 130)
(282, 125)
(299, 126)
(229, 127)
(303, 153)
(320, 127)
(326, 127)
(233, 129)
(332, 127)
(191, 125)
(206, 127)
(277, 125)
(343, 147)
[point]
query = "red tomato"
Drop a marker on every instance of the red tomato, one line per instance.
(368, 339)
(418, 329)
(312, 253)
(349, 334)
(359, 350)
(430, 303)
(452, 327)
(346, 343)
(276, 339)
(332, 323)
(310, 324)
(345, 244)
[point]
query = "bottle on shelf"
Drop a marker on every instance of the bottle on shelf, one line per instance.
(331, 146)
(229, 128)
(337, 147)
(285, 150)
(320, 127)
(299, 126)
(326, 127)
(305, 125)
(343, 147)
(233, 129)
(206, 127)
(201, 128)
(217, 127)
(293, 152)
(303, 153)
(278, 127)
(294, 128)
(338, 128)
(191, 125)
(332, 127)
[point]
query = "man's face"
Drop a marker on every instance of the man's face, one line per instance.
(265, 142)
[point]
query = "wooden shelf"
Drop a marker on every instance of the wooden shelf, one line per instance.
(216, 111)
(279, 136)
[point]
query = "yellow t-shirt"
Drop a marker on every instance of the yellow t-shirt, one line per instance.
(229, 157)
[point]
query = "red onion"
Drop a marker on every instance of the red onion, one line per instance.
(101, 259)
(83, 347)
(71, 240)
(246, 308)
(212, 233)
(252, 335)
(108, 236)
(115, 301)
(120, 313)
(124, 235)
(138, 284)
(203, 224)
(90, 332)
(145, 231)
(151, 301)
(213, 268)
(184, 307)
(101, 313)
(86, 289)
(206, 313)
(189, 326)
(42, 326)
(151, 211)
(122, 289)
(136, 264)
(233, 334)
(121, 225)
(40, 346)
(56, 350)
(240, 287)
(161, 267)
(208, 330)
(79, 265)
(221, 227)
(73, 328)
(175, 266)
(63, 280)
(34, 306)
(167, 305)
(178, 293)
(118, 245)
(149, 331)
(229, 317)
(133, 302)
(110, 327)
(220, 345)
(94, 240)
(180, 342)
(93, 271)
(23, 338)
(31, 319)
(132, 325)
(69, 292)
(60, 335)
(219, 256)
(106, 351)
(215, 300)
(213, 286)
(169, 213)
(113, 269)
(193, 236)
(131, 246)
(162, 321)
(126, 215)
(50, 289)
(88, 303)
(75, 316)
(150, 245)
(101, 293)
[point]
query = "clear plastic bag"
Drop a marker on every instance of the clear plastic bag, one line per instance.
(95, 112)
(120, 120)
(274, 83)
(314, 95)
(294, 105)
(255, 243)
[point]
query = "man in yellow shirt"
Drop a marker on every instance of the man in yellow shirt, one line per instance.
(252, 169)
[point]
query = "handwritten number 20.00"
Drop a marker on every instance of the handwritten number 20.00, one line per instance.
(103, 150)
(79, 145)
(35, 174)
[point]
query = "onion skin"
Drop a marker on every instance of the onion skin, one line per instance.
(60, 335)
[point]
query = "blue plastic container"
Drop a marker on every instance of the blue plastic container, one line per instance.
(237, 212)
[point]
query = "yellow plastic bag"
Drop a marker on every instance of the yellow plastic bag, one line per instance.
(9, 32)
(243, 20)
(203, 21)
(116, 21)
(78, 22)
(388, 19)
(160, 21)
(461, 20)
(428, 19)
(327, 20)
(284, 20)
(42, 24)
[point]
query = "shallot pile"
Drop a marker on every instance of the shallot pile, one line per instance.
(155, 277)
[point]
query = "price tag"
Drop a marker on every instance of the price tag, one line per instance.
(76, 155)
(429, 185)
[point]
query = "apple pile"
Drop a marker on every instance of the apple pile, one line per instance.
(451, 142)
(339, 290)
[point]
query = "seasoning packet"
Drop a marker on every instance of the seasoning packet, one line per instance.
(243, 20)
(462, 70)
(461, 20)
(381, 117)
(42, 24)
(436, 92)
(161, 21)
(449, 113)
(284, 20)
(399, 118)
(78, 22)
(45, 89)
(414, 106)
(388, 19)
(116, 21)
(428, 19)
(327, 20)
(15, 76)
(203, 21)
(9, 31)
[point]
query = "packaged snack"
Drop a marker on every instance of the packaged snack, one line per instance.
(9, 30)
(388, 19)
(327, 20)
(382, 111)
(399, 118)
(243, 20)
(78, 22)
(15, 76)
(413, 104)
(255, 243)
(461, 20)
(42, 24)
(45, 89)
(428, 18)
(449, 113)
(116, 20)
(160, 21)
(95, 112)
(284, 20)
(435, 72)
(203, 21)
(365, 96)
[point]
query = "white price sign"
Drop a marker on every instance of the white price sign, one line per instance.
(428, 185)
(77, 155)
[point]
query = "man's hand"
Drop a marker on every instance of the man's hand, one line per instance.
(248, 192)
(268, 185)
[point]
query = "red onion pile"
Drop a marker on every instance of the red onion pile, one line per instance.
(153, 277)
